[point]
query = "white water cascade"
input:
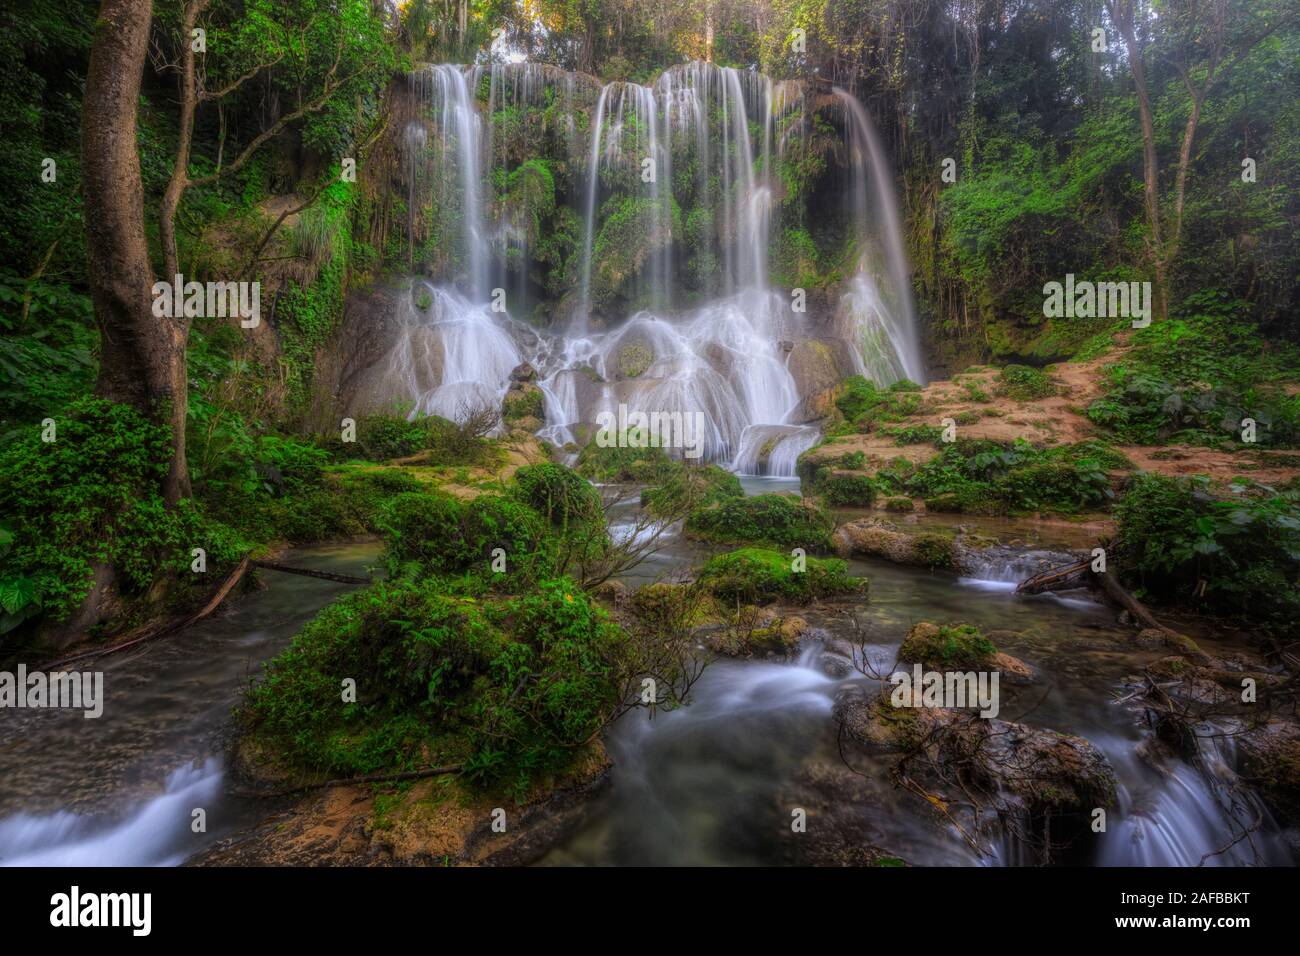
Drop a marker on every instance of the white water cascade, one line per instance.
(702, 330)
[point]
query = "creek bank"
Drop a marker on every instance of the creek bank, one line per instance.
(434, 822)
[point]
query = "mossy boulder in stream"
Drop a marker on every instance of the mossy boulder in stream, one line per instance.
(955, 647)
(874, 538)
(778, 520)
(758, 576)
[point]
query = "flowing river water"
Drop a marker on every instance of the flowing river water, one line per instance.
(711, 783)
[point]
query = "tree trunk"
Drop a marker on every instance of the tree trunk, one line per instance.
(1122, 15)
(142, 358)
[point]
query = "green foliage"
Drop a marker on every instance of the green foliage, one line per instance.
(613, 464)
(757, 576)
(45, 359)
(434, 533)
(559, 494)
(1238, 555)
(865, 405)
(777, 520)
(90, 497)
(1025, 383)
(1196, 377)
(984, 477)
(687, 487)
(512, 688)
(847, 489)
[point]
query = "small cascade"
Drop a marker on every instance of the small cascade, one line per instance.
(453, 358)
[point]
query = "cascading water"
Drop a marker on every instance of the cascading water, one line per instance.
(702, 132)
(885, 320)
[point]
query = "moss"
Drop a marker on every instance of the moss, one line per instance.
(1025, 383)
(758, 576)
(780, 520)
(934, 550)
(634, 359)
(947, 647)
(900, 505)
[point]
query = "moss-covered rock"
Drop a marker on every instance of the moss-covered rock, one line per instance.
(759, 576)
(875, 538)
(634, 359)
(523, 400)
(954, 647)
(781, 520)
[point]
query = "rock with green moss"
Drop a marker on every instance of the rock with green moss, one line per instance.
(781, 520)
(760, 576)
(634, 359)
(948, 647)
(877, 538)
(524, 400)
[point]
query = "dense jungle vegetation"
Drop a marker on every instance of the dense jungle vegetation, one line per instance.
(1166, 151)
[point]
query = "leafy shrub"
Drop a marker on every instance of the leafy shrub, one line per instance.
(559, 494)
(1238, 555)
(1197, 376)
(614, 464)
(691, 486)
(847, 489)
(432, 532)
(93, 496)
(510, 687)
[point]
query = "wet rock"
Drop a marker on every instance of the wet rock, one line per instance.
(1269, 756)
(834, 666)
(840, 829)
(523, 372)
(871, 537)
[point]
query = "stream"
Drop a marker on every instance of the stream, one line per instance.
(711, 783)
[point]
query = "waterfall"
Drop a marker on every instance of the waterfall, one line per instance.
(886, 321)
(700, 137)
(450, 111)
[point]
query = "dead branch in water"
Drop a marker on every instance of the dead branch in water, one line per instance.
(308, 572)
(1080, 574)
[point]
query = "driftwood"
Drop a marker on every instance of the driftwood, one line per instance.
(159, 629)
(1080, 574)
(1067, 576)
(307, 572)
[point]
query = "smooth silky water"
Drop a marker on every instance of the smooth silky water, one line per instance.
(120, 790)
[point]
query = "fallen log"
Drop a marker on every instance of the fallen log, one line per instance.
(1067, 576)
(1079, 574)
(159, 629)
(308, 572)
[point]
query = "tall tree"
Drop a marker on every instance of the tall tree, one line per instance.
(142, 357)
